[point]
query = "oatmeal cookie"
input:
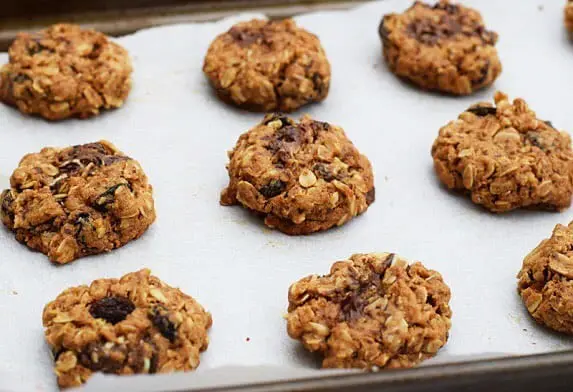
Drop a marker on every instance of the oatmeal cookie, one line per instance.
(64, 72)
(77, 201)
(546, 280)
(569, 16)
(268, 65)
(302, 177)
(444, 47)
(505, 157)
(372, 311)
(136, 324)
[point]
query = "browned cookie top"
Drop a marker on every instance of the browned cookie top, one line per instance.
(371, 311)
(443, 47)
(76, 201)
(268, 65)
(136, 324)
(546, 280)
(505, 157)
(65, 71)
(304, 177)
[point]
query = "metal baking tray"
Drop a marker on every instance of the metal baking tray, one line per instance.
(550, 370)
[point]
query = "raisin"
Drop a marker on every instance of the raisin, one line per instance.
(389, 260)
(111, 159)
(484, 72)
(273, 188)
(535, 140)
(159, 317)
(549, 124)
(382, 31)
(20, 78)
(352, 307)
(482, 111)
(108, 197)
(371, 196)
(319, 84)
(449, 8)
(112, 309)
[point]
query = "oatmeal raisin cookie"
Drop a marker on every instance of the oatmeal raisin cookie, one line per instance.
(65, 71)
(372, 311)
(444, 47)
(77, 201)
(136, 324)
(302, 177)
(505, 157)
(268, 65)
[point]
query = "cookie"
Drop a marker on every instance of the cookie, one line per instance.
(444, 47)
(569, 16)
(372, 311)
(64, 72)
(546, 281)
(267, 66)
(302, 177)
(505, 157)
(77, 201)
(136, 324)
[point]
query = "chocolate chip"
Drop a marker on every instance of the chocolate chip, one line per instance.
(245, 37)
(388, 261)
(482, 111)
(103, 357)
(323, 171)
(289, 134)
(484, 72)
(36, 47)
(106, 198)
(112, 309)
(273, 188)
(371, 196)
(352, 307)
(159, 317)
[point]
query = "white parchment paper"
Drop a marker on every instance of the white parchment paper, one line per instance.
(227, 259)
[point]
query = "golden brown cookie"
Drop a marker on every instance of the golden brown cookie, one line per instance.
(505, 157)
(268, 65)
(136, 324)
(77, 201)
(546, 280)
(569, 16)
(371, 311)
(444, 47)
(302, 177)
(64, 72)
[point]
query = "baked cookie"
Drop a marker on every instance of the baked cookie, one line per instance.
(302, 177)
(505, 157)
(569, 16)
(268, 65)
(65, 71)
(371, 311)
(77, 201)
(444, 47)
(136, 324)
(546, 280)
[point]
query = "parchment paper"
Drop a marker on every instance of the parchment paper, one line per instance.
(227, 259)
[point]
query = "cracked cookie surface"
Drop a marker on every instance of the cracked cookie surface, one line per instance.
(64, 72)
(77, 201)
(505, 157)
(371, 311)
(546, 280)
(444, 47)
(136, 324)
(268, 66)
(302, 177)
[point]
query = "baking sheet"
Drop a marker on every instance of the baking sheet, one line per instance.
(240, 270)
